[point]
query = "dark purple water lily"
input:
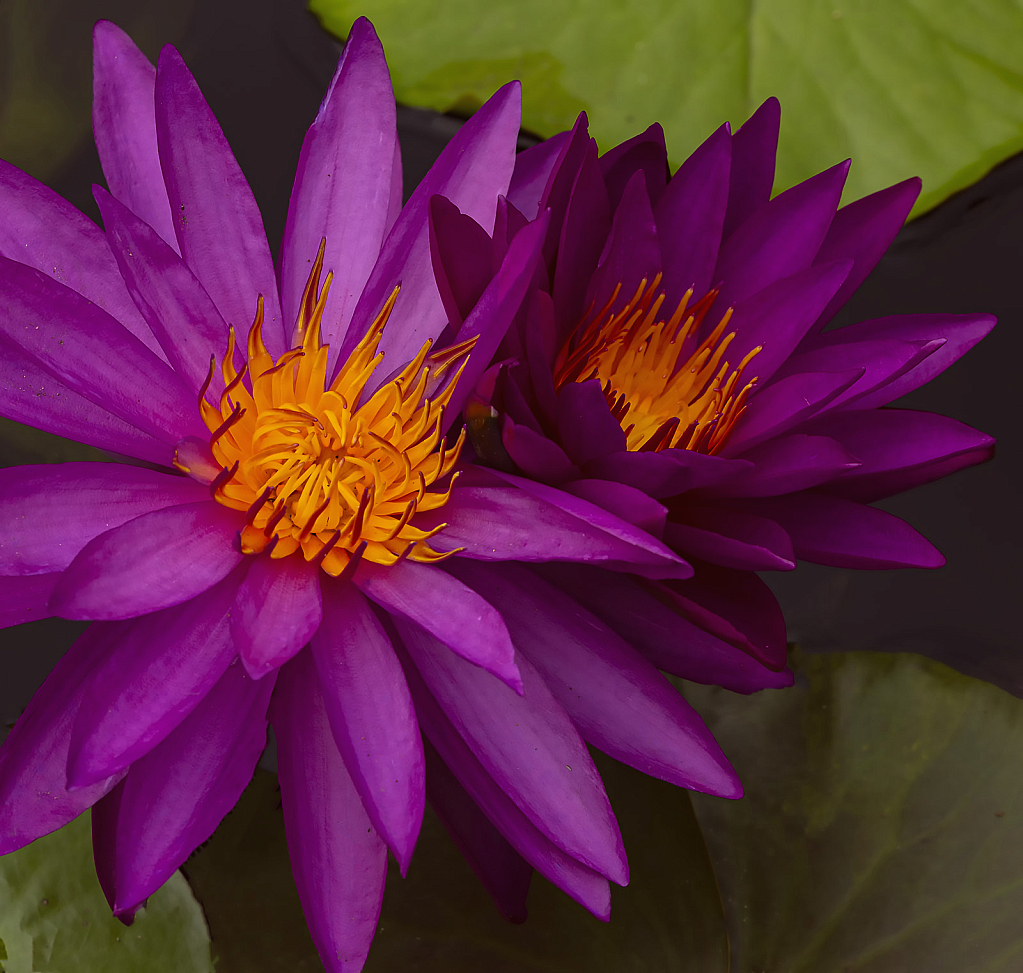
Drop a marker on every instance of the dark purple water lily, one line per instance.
(289, 541)
(675, 367)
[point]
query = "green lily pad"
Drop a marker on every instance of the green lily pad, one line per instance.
(882, 829)
(905, 87)
(439, 919)
(54, 918)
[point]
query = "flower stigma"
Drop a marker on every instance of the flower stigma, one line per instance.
(317, 469)
(664, 386)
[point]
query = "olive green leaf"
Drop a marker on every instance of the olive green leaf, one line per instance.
(54, 918)
(882, 828)
(932, 88)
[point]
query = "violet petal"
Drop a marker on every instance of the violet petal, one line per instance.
(754, 148)
(731, 538)
(26, 598)
(789, 463)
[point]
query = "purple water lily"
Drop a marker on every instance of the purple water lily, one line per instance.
(290, 540)
(674, 366)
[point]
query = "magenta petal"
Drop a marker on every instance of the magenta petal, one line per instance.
(26, 598)
(154, 561)
(754, 148)
(87, 350)
(173, 798)
(735, 606)
(786, 403)
(619, 701)
(505, 874)
(495, 516)
(690, 216)
(781, 239)
(960, 333)
(538, 457)
(666, 638)
(124, 122)
(863, 231)
(104, 847)
(447, 609)
(632, 505)
(157, 670)
(179, 311)
(343, 184)
(585, 424)
(31, 395)
(531, 749)
(338, 860)
(51, 512)
(472, 171)
(532, 170)
(583, 884)
(787, 464)
(463, 259)
(731, 538)
(276, 612)
(490, 319)
(646, 154)
(371, 716)
(34, 799)
(632, 252)
(831, 530)
(665, 473)
(216, 219)
(47, 233)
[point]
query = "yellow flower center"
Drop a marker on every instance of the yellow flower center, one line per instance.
(318, 470)
(664, 389)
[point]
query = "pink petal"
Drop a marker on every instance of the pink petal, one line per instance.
(276, 613)
(337, 858)
(26, 598)
(371, 716)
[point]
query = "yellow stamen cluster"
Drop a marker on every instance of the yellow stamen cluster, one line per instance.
(316, 469)
(660, 399)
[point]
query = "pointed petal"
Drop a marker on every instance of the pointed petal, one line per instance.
(276, 612)
(504, 873)
(831, 530)
(754, 148)
(34, 799)
(156, 672)
(626, 502)
(472, 171)
(495, 516)
(665, 473)
(690, 216)
(343, 184)
(371, 716)
(532, 170)
(781, 239)
(790, 463)
(538, 457)
(447, 609)
(585, 424)
(216, 219)
(47, 233)
(86, 349)
(124, 122)
(646, 154)
(862, 232)
(337, 858)
(180, 313)
(731, 538)
(619, 701)
(463, 259)
(529, 746)
(668, 639)
(173, 798)
(31, 395)
(154, 561)
(583, 884)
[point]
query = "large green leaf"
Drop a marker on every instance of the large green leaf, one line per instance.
(439, 919)
(882, 829)
(54, 919)
(906, 87)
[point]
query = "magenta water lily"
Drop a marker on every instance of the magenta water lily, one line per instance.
(674, 365)
(296, 536)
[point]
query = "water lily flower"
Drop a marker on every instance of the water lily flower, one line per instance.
(676, 367)
(278, 545)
